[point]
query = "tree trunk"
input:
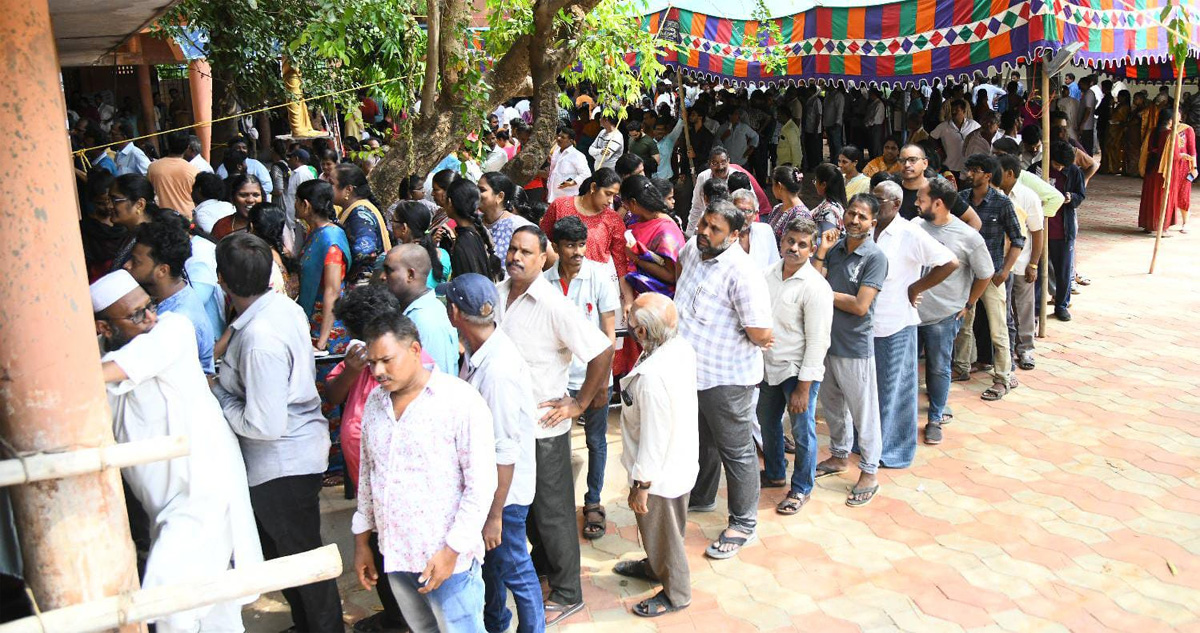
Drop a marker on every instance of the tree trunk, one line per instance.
(525, 165)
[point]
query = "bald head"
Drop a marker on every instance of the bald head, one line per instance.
(654, 320)
(406, 271)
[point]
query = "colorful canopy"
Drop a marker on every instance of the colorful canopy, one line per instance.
(913, 41)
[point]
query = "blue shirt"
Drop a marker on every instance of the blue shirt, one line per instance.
(105, 163)
(132, 160)
(666, 147)
(438, 337)
(256, 169)
(187, 303)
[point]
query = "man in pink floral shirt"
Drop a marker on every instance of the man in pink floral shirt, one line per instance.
(426, 481)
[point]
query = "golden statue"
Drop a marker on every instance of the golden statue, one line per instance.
(297, 110)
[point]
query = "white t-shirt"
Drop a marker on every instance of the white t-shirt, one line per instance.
(909, 249)
(1025, 200)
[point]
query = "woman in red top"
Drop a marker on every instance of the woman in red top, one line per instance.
(245, 191)
(593, 205)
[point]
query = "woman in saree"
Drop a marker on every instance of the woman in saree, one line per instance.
(364, 224)
(324, 260)
(1113, 158)
(1177, 190)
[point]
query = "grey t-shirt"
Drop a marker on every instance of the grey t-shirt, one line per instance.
(974, 262)
(853, 336)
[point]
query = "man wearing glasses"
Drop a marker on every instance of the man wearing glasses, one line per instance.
(914, 165)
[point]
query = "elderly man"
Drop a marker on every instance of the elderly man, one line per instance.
(719, 168)
(661, 446)
(549, 330)
(916, 263)
(406, 272)
(942, 308)
(267, 389)
(198, 505)
(494, 366)
(194, 156)
(725, 313)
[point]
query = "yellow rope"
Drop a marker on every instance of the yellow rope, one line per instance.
(83, 152)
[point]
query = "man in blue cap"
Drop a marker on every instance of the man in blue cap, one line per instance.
(495, 367)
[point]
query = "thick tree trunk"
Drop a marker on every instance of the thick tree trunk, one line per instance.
(525, 165)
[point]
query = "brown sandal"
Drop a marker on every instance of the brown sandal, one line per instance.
(791, 504)
(594, 528)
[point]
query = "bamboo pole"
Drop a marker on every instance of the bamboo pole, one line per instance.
(44, 466)
(149, 604)
(687, 132)
(1169, 156)
(1045, 257)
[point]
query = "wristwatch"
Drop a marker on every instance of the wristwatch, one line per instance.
(641, 485)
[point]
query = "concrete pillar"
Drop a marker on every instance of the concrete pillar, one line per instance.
(74, 534)
(200, 82)
(149, 116)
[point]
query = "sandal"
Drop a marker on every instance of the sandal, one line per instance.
(564, 611)
(1083, 281)
(958, 376)
(656, 606)
(594, 528)
(738, 543)
(791, 504)
(379, 623)
(639, 569)
(825, 470)
(995, 392)
(789, 445)
(763, 482)
(859, 497)
(1026, 362)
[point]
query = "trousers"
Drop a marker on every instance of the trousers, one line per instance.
(661, 529)
(552, 529)
(851, 401)
(726, 421)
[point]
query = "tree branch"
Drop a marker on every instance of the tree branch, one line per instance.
(432, 58)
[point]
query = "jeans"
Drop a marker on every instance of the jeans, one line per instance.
(937, 339)
(772, 404)
(595, 428)
(288, 512)
(457, 605)
(725, 439)
(834, 136)
(896, 377)
(1062, 258)
(509, 568)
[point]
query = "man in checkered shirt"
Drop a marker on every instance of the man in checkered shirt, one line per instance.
(725, 314)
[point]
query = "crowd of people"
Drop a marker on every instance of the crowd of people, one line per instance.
(720, 265)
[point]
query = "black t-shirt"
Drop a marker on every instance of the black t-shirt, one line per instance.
(470, 254)
(908, 207)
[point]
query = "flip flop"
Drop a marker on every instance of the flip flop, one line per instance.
(855, 492)
(737, 541)
(825, 471)
(639, 569)
(656, 606)
(564, 611)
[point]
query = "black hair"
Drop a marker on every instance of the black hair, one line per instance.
(444, 178)
(645, 192)
(464, 201)
(409, 185)
(724, 208)
(177, 142)
(328, 155)
(737, 181)
(418, 217)
(569, 229)
(208, 186)
(363, 304)
(802, 225)
(169, 244)
(500, 183)
(232, 160)
(664, 186)
(603, 177)
(569, 132)
(537, 232)
(835, 183)
(715, 189)
(136, 187)
(99, 181)
(1006, 145)
(985, 163)
(789, 177)
(269, 222)
(628, 163)
(244, 263)
(930, 147)
(1008, 162)
(1062, 152)
(319, 195)
(871, 202)
(351, 175)
(1009, 119)
(633, 125)
(502, 135)
(944, 190)
(852, 154)
(237, 181)
(391, 322)
(883, 176)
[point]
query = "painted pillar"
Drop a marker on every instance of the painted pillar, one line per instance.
(200, 82)
(146, 93)
(74, 533)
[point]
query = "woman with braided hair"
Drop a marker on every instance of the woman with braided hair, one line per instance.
(411, 224)
(473, 251)
(788, 180)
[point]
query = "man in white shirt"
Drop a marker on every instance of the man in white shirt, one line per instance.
(496, 156)
(980, 141)
(208, 193)
(1022, 282)
(494, 366)
(661, 449)
(253, 166)
(952, 133)
(592, 288)
(198, 505)
(802, 316)
(608, 145)
(833, 120)
(130, 159)
(193, 155)
(549, 330)
(916, 263)
(1087, 114)
(737, 137)
(568, 168)
(427, 477)
(302, 172)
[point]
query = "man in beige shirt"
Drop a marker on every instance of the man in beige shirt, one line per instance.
(173, 176)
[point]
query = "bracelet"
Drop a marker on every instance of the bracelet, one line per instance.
(820, 259)
(641, 485)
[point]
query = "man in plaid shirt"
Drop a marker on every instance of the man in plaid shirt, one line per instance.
(725, 314)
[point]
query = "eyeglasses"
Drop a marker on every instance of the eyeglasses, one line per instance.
(911, 160)
(138, 317)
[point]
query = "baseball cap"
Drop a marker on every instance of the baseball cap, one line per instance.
(472, 293)
(300, 153)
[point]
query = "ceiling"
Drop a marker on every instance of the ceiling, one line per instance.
(86, 30)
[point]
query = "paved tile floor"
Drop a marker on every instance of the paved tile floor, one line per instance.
(1071, 505)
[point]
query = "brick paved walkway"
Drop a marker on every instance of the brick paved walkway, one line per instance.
(1072, 504)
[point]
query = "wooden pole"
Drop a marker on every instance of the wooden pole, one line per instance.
(1170, 158)
(687, 132)
(1045, 258)
(148, 604)
(44, 466)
